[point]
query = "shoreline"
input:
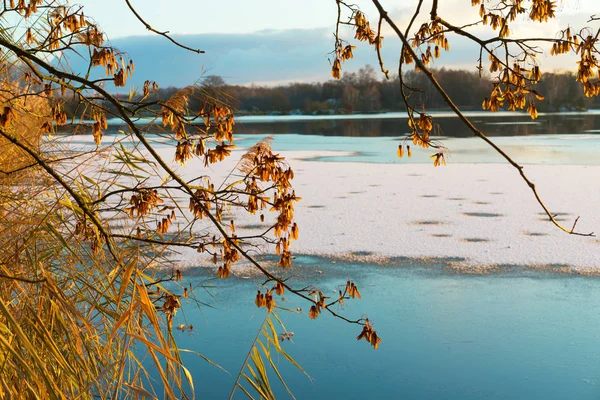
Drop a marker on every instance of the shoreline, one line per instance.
(447, 266)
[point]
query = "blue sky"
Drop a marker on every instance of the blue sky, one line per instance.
(202, 16)
(244, 16)
(276, 41)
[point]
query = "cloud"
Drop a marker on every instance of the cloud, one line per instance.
(266, 56)
(239, 58)
(271, 56)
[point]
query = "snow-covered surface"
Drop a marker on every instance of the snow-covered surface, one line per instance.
(483, 214)
(480, 215)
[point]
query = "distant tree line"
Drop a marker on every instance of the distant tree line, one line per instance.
(362, 92)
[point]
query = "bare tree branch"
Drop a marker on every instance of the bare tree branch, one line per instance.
(165, 34)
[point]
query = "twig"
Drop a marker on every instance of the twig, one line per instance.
(165, 34)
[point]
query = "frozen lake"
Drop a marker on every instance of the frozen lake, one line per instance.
(513, 333)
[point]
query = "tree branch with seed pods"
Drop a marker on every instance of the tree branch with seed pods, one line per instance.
(513, 85)
(91, 244)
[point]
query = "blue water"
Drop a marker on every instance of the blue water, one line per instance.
(557, 138)
(515, 335)
(569, 149)
(562, 149)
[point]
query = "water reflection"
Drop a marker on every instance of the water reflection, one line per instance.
(557, 138)
(395, 124)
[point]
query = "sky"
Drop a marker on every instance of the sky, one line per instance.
(280, 41)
